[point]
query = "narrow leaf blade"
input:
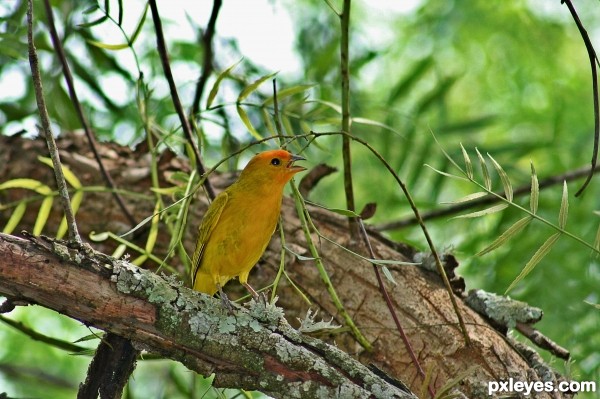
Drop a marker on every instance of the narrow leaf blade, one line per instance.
(564, 207)
(535, 259)
(253, 86)
(483, 212)
(388, 275)
(507, 235)
(246, 120)
(107, 46)
(215, 89)
(138, 28)
(535, 191)
(468, 164)
(287, 92)
(445, 173)
(42, 216)
(468, 198)
(484, 170)
(16, 217)
(508, 190)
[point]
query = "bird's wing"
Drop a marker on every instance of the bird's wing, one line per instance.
(209, 222)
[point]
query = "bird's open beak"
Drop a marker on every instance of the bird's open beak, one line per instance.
(295, 168)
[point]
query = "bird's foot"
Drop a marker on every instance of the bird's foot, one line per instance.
(225, 301)
(251, 291)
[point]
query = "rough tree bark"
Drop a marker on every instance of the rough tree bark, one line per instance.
(419, 297)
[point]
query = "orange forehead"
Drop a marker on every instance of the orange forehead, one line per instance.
(270, 154)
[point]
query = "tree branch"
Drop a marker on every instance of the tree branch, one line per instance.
(253, 349)
(185, 124)
(47, 130)
(207, 62)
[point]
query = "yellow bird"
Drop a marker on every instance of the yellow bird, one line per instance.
(239, 223)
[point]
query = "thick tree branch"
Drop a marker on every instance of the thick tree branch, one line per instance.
(253, 349)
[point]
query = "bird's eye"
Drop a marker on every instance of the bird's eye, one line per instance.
(275, 161)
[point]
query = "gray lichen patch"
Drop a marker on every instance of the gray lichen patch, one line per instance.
(503, 310)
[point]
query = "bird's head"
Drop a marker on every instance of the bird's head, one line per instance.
(273, 166)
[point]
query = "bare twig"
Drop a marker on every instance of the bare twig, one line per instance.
(593, 60)
(207, 62)
(278, 124)
(388, 302)
(36, 336)
(346, 119)
(47, 130)
(185, 124)
(79, 110)
(488, 200)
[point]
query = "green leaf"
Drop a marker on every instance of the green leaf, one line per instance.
(507, 235)
(244, 117)
(486, 175)
(535, 191)
(99, 237)
(535, 259)
(370, 122)
(42, 216)
(337, 108)
(339, 211)
(215, 88)
(107, 46)
(28, 184)
(94, 22)
(508, 190)
(487, 211)
(388, 275)
(383, 262)
(468, 198)
(138, 28)
(290, 91)
(297, 255)
(75, 203)
(67, 172)
(15, 218)
(89, 337)
(344, 212)
(153, 234)
(468, 164)
(253, 86)
(564, 207)
(446, 173)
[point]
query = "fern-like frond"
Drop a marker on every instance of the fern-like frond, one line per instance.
(507, 200)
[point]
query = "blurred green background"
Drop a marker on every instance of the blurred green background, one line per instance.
(510, 78)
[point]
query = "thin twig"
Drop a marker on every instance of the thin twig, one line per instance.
(47, 130)
(36, 336)
(413, 206)
(593, 59)
(278, 124)
(346, 119)
(488, 200)
(79, 110)
(207, 62)
(390, 305)
(185, 125)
